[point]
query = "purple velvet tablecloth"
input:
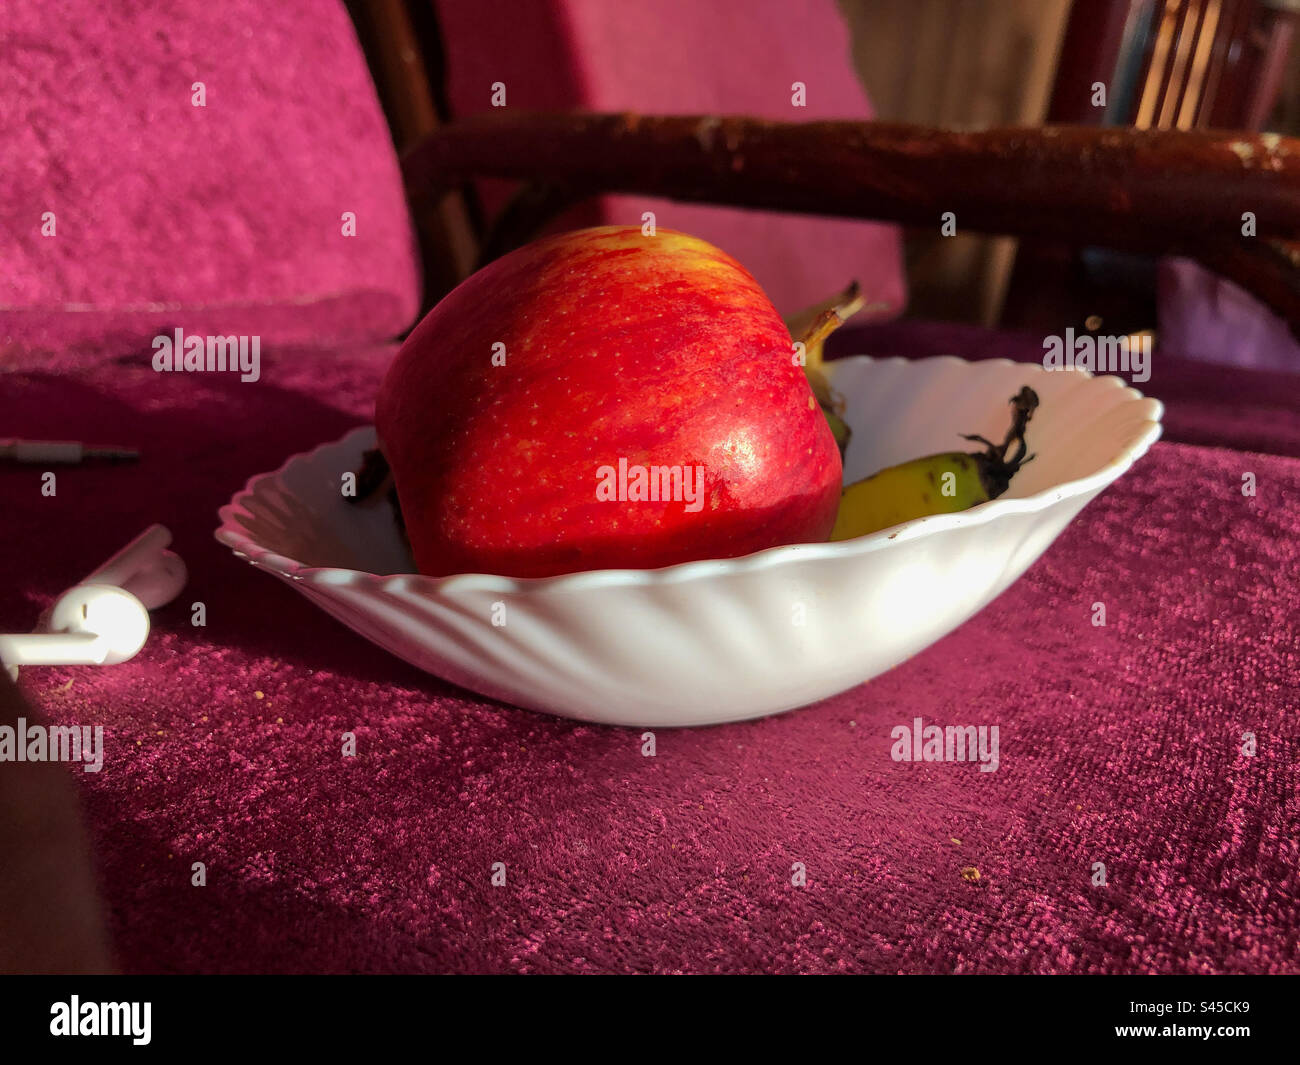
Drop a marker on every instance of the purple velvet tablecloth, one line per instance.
(1120, 745)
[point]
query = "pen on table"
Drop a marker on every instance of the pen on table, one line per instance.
(63, 452)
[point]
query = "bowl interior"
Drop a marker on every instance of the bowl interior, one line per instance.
(900, 409)
(897, 408)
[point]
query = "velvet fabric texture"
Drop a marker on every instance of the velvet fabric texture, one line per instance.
(1215, 320)
(1120, 744)
(132, 211)
(685, 57)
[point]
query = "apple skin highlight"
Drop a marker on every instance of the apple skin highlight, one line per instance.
(660, 351)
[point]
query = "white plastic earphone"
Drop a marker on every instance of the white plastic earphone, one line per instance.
(104, 619)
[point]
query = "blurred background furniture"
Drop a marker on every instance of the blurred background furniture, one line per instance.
(1164, 64)
(669, 57)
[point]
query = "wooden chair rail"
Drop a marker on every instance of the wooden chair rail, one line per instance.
(1154, 191)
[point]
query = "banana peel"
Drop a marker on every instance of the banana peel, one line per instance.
(810, 328)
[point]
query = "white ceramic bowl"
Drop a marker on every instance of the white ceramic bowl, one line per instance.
(724, 640)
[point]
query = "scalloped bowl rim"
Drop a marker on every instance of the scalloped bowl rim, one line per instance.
(232, 533)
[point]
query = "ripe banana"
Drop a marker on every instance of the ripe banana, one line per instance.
(812, 327)
(936, 484)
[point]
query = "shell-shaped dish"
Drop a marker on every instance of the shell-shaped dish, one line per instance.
(721, 640)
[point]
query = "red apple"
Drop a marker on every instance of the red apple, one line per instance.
(604, 399)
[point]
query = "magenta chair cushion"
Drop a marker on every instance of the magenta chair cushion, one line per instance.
(684, 57)
(223, 218)
(1211, 319)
